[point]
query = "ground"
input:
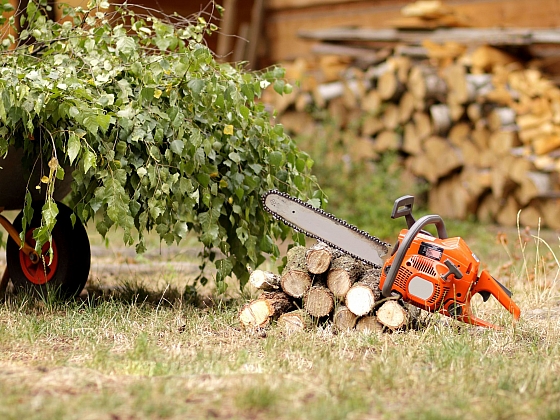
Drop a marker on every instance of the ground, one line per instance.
(134, 346)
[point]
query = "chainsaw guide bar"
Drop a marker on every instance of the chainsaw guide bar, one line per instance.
(322, 226)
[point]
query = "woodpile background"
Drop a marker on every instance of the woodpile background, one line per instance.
(321, 286)
(478, 123)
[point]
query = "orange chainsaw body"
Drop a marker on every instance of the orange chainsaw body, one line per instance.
(442, 275)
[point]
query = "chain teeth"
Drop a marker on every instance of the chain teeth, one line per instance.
(382, 244)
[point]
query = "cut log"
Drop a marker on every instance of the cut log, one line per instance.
(422, 124)
(546, 144)
(391, 117)
(485, 58)
(318, 258)
(361, 297)
(441, 119)
(500, 118)
(488, 209)
(459, 133)
(502, 184)
(412, 144)
(296, 280)
(474, 111)
(455, 77)
(319, 301)
(443, 155)
(265, 280)
(534, 185)
(371, 125)
(531, 217)
(344, 272)
(295, 321)
(389, 86)
(387, 140)
(369, 324)
(507, 214)
(406, 107)
(549, 210)
(392, 315)
(371, 102)
(269, 305)
(480, 136)
(501, 142)
(425, 83)
(344, 319)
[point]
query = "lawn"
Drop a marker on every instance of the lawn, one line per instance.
(138, 345)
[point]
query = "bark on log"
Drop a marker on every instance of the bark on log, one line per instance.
(344, 319)
(369, 324)
(344, 272)
(295, 321)
(296, 280)
(318, 258)
(264, 280)
(257, 314)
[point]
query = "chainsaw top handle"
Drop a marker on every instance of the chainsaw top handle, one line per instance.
(407, 241)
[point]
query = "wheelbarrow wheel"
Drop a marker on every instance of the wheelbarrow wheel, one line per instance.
(67, 273)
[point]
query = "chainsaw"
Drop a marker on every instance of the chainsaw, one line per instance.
(437, 274)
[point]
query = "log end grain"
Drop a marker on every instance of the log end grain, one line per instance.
(360, 299)
(392, 315)
(255, 314)
(369, 324)
(295, 283)
(319, 301)
(295, 321)
(344, 319)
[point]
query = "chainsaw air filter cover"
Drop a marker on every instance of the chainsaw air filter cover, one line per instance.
(434, 272)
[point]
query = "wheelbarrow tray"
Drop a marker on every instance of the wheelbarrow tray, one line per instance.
(15, 179)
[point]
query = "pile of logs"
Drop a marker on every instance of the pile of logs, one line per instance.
(479, 125)
(318, 285)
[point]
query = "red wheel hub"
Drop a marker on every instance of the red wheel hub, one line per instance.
(44, 270)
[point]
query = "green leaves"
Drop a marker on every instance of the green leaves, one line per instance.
(170, 141)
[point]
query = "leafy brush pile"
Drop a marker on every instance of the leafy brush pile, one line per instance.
(160, 135)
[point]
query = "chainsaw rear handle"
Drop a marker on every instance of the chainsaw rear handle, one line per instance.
(487, 284)
(405, 244)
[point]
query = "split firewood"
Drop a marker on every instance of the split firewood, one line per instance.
(295, 321)
(406, 107)
(344, 272)
(412, 143)
(369, 324)
(441, 118)
(319, 301)
(257, 314)
(264, 280)
(389, 86)
(318, 258)
(362, 296)
(344, 319)
(392, 315)
(296, 280)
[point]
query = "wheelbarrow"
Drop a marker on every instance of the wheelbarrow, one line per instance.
(67, 270)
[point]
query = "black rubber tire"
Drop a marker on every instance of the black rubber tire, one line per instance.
(73, 256)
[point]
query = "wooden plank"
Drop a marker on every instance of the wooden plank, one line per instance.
(257, 16)
(471, 36)
(226, 33)
(299, 4)
(283, 25)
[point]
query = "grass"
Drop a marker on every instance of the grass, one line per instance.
(144, 351)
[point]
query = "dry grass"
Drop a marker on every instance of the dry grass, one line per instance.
(146, 350)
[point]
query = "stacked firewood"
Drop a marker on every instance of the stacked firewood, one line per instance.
(480, 126)
(320, 285)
